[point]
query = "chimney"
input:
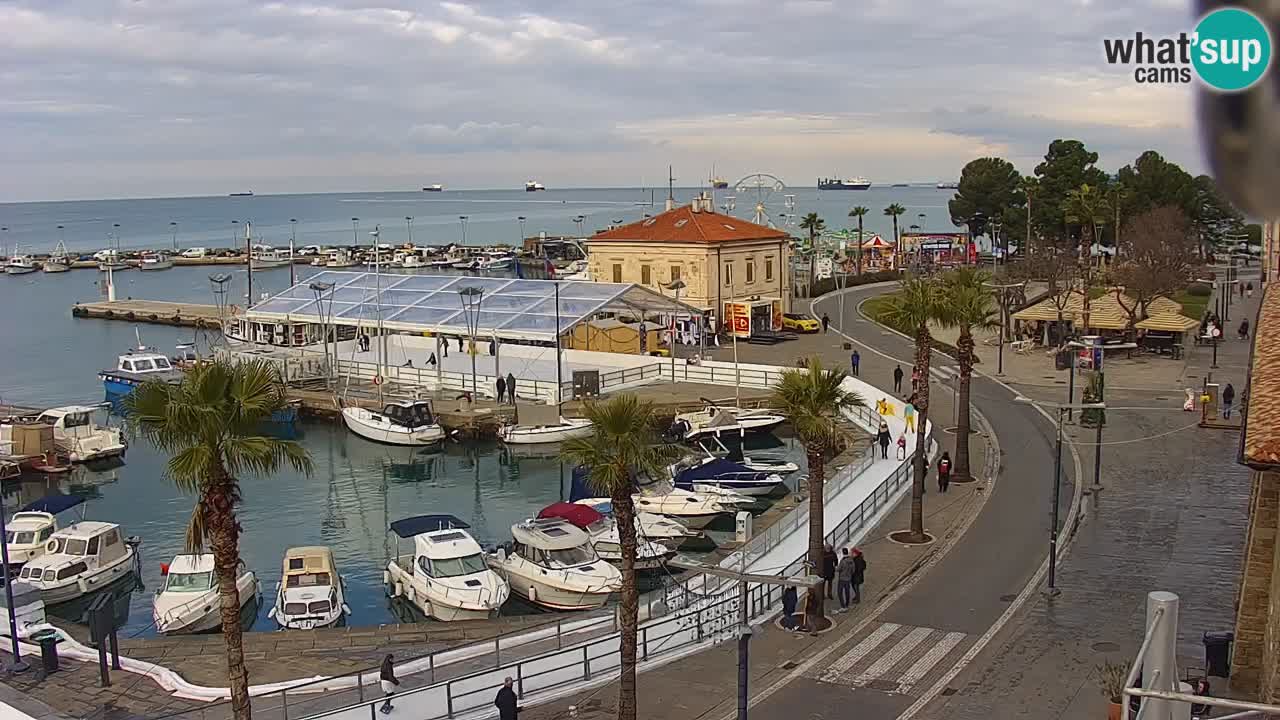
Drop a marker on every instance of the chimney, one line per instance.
(671, 204)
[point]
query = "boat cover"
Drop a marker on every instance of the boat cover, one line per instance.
(580, 515)
(717, 469)
(419, 524)
(53, 504)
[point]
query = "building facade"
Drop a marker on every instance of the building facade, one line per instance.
(719, 258)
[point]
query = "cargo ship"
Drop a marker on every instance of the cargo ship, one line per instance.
(433, 188)
(858, 183)
(534, 186)
(948, 185)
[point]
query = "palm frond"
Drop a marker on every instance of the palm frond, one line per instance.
(917, 303)
(623, 443)
(814, 400)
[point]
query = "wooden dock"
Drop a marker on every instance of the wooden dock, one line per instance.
(154, 312)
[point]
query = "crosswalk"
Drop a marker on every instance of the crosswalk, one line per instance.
(895, 658)
(944, 373)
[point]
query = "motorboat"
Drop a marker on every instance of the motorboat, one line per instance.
(717, 420)
(553, 564)
(543, 424)
(437, 187)
(650, 526)
(20, 264)
(310, 593)
(27, 531)
(754, 461)
(406, 422)
(341, 259)
(80, 559)
(694, 510)
(266, 258)
(136, 367)
(189, 601)
(111, 260)
(59, 260)
(605, 537)
(155, 261)
(700, 474)
(412, 261)
(441, 262)
(320, 260)
(82, 439)
(447, 577)
(495, 262)
(534, 186)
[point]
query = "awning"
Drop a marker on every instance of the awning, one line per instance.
(580, 515)
(1168, 322)
(410, 526)
(53, 504)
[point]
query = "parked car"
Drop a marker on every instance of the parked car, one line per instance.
(310, 250)
(800, 323)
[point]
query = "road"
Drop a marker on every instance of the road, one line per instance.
(885, 668)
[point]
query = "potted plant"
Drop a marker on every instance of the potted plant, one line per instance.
(1112, 676)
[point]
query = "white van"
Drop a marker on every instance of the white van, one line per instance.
(195, 252)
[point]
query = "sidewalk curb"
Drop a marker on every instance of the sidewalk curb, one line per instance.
(1065, 535)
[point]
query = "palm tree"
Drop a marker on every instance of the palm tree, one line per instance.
(815, 226)
(209, 425)
(967, 306)
(859, 212)
(622, 444)
(893, 211)
(1088, 207)
(813, 400)
(917, 303)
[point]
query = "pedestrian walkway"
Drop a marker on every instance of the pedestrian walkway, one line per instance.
(895, 658)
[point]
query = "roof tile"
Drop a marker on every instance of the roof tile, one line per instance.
(683, 225)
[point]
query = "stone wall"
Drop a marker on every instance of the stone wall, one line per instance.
(1255, 664)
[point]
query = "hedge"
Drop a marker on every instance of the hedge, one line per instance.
(826, 285)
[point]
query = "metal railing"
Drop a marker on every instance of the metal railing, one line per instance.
(710, 372)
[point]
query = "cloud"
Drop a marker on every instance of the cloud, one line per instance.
(174, 96)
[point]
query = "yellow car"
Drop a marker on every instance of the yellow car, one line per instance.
(800, 323)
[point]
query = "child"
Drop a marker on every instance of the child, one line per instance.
(902, 447)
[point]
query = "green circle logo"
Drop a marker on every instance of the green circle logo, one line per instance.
(1232, 49)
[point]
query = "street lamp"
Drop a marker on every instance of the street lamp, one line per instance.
(17, 665)
(994, 225)
(355, 231)
(408, 227)
(471, 297)
(923, 224)
(578, 220)
(293, 238)
(1052, 589)
(235, 226)
(173, 230)
(521, 220)
(463, 219)
(320, 289)
(677, 285)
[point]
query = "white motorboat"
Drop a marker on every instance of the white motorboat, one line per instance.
(717, 420)
(412, 261)
(82, 439)
(406, 422)
(440, 262)
(341, 259)
(650, 526)
(189, 601)
(266, 258)
(446, 577)
(110, 260)
(543, 424)
(59, 260)
(495, 262)
(319, 261)
(28, 531)
(605, 538)
(21, 264)
(693, 509)
(552, 564)
(311, 592)
(155, 261)
(534, 186)
(79, 559)
(703, 473)
(760, 463)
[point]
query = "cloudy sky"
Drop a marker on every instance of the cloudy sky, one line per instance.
(115, 98)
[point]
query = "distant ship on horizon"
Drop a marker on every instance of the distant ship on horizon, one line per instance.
(715, 181)
(858, 183)
(948, 186)
(534, 186)
(433, 188)
(241, 194)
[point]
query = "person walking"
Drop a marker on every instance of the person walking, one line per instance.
(915, 378)
(882, 437)
(1244, 329)
(387, 678)
(829, 561)
(854, 360)
(826, 323)
(844, 577)
(1241, 289)
(859, 574)
(506, 701)
(909, 412)
(444, 346)
(1228, 397)
(897, 379)
(501, 384)
(1249, 289)
(511, 388)
(944, 471)
(789, 601)
(902, 447)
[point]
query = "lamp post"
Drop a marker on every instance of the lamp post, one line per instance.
(1051, 589)
(293, 239)
(173, 230)
(320, 289)
(521, 220)
(578, 220)
(463, 219)
(677, 285)
(923, 224)
(471, 297)
(995, 241)
(408, 228)
(355, 231)
(17, 665)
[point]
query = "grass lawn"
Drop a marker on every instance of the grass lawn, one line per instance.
(1192, 305)
(875, 307)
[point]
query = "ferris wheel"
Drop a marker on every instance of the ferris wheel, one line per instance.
(761, 190)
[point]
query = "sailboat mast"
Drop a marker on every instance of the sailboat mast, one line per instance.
(559, 399)
(377, 299)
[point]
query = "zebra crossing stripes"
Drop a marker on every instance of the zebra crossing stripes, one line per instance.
(944, 373)
(846, 661)
(895, 658)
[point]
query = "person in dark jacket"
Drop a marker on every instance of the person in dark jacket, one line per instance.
(882, 437)
(855, 359)
(844, 575)
(502, 389)
(944, 472)
(789, 601)
(506, 701)
(897, 379)
(859, 574)
(826, 323)
(387, 678)
(511, 388)
(829, 560)
(1228, 397)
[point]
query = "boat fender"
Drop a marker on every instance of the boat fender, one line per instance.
(153, 317)
(51, 546)
(386, 578)
(109, 313)
(377, 379)
(409, 594)
(399, 589)
(533, 594)
(84, 586)
(129, 315)
(175, 319)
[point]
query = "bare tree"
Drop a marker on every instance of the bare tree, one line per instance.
(1159, 248)
(1049, 262)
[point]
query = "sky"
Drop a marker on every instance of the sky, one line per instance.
(140, 98)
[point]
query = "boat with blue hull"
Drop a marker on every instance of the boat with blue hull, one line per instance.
(714, 472)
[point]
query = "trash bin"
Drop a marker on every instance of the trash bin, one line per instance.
(49, 652)
(1217, 653)
(1062, 360)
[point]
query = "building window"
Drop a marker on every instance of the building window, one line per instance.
(617, 272)
(728, 274)
(751, 271)
(675, 273)
(646, 275)
(768, 269)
